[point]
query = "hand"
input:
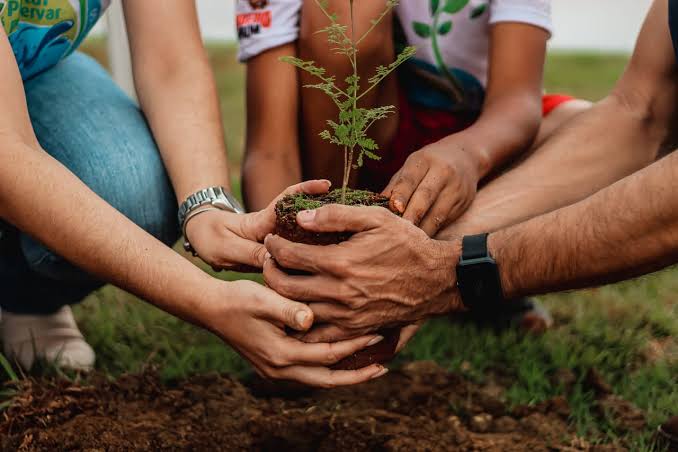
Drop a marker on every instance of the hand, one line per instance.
(388, 274)
(252, 319)
(333, 333)
(435, 186)
(228, 241)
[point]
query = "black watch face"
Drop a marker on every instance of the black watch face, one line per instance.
(479, 283)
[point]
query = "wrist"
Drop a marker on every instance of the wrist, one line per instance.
(449, 252)
(495, 242)
(477, 156)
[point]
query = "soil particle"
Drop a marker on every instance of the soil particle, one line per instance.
(422, 407)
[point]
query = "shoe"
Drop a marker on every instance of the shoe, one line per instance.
(667, 435)
(54, 338)
(524, 314)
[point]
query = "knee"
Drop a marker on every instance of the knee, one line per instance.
(148, 200)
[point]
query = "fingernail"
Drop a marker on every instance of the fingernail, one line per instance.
(329, 183)
(381, 373)
(375, 340)
(399, 205)
(301, 317)
(306, 216)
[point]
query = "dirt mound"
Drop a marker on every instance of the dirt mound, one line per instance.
(421, 407)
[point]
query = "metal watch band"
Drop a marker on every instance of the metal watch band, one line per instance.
(215, 196)
(212, 198)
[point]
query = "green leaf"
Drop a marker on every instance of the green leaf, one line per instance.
(372, 155)
(421, 29)
(478, 11)
(435, 4)
(445, 28)
(454, 6)
(7, 368)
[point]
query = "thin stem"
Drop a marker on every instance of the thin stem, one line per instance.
(377, 81)
(375, 23)
(329, 16)
(354, 63)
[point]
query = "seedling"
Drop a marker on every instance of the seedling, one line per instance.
(349, 131)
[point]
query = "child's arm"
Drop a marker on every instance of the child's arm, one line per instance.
(268, 30)
(439, 182)
(272, 159)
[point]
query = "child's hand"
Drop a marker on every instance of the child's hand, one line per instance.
(435, 186)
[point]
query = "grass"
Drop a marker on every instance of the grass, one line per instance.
(627, 331)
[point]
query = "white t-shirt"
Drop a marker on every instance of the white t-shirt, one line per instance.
(452, 40)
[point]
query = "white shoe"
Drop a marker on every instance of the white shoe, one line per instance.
(55, 338)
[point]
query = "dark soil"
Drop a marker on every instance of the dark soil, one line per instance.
(421, 408)
(287, 208)
(287, 227)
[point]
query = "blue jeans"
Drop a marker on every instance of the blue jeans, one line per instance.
(84, 121)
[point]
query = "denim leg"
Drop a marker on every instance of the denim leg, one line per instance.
(83, 120)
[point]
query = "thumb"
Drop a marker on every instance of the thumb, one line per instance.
(295, 315)
(341, 218)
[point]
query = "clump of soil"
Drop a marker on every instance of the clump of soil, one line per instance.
(287, 208)
(287, 227)
(421, 407)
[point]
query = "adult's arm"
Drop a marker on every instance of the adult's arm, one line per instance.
(43, 198)
(272, 160)
(625, 230)
(177, 93)
(617, 136)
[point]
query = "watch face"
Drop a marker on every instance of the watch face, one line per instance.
(479, 283)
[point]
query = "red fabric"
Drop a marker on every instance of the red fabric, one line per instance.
(550, 102)
(419, 127)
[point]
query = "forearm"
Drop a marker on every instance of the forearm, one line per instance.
(272, 160)
(625, 230)
(596, 149)
(71, 220)
(181, 105)
(266, 173)
(506, 128)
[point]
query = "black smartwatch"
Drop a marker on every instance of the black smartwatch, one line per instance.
(478, 276)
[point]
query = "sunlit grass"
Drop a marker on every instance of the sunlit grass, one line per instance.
(626, 332)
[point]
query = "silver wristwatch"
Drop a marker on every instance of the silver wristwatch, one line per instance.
(210, 198)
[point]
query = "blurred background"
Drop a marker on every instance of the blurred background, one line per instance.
(605, 25)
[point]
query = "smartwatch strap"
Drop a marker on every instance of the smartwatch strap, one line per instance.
(474, 247)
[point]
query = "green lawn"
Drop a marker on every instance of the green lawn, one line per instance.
(627, 332)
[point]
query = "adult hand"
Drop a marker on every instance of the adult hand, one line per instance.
(435, 185)
(390, 273)
(229, 241)
(252, 319)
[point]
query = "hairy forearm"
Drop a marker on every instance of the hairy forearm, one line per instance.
(71, 220)
(597, 148)
(505, 129)
(181, 104)
(625, 230)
